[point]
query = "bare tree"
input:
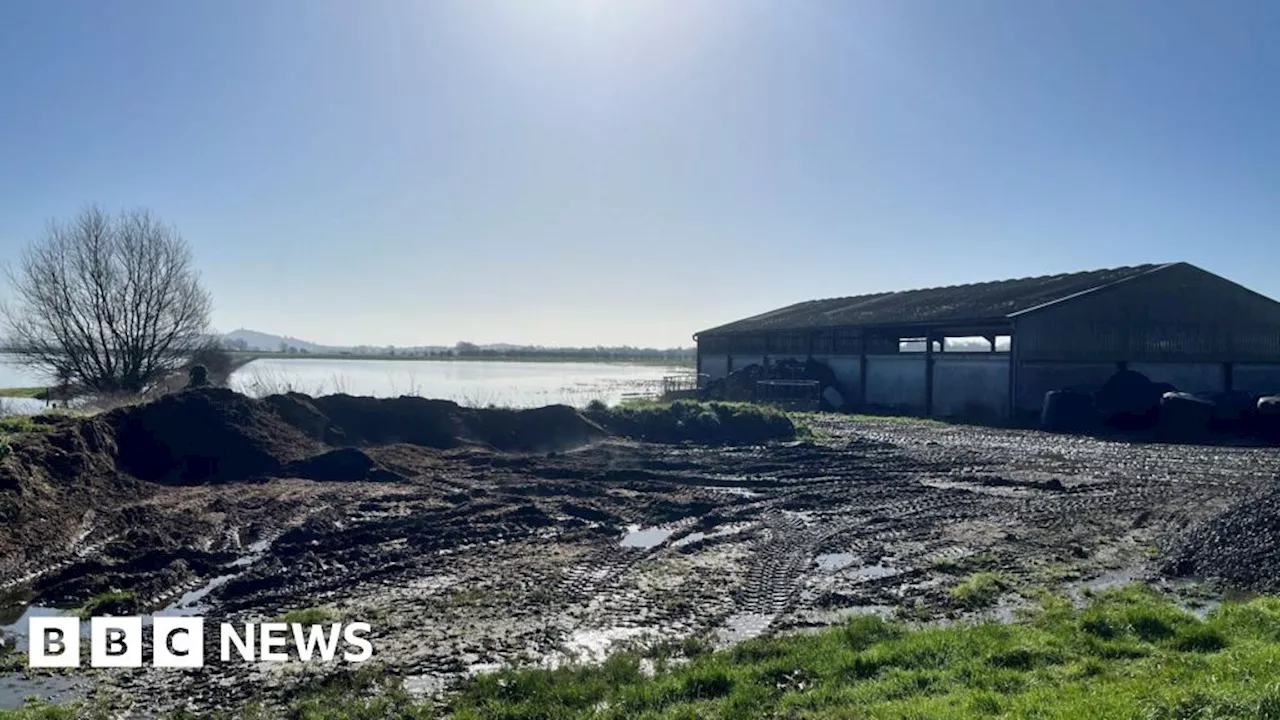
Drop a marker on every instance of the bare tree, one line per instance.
(108, 302)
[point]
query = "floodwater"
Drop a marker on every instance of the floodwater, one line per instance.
(13, 375)
(638, 537)
(475, 383)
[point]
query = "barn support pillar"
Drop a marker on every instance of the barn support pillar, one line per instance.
(928, 374)
(862, 370)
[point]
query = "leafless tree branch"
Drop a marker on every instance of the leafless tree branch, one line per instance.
(112, 303)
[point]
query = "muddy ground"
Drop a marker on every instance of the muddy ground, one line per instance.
(466, 558)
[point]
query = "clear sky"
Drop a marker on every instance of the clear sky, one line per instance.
(613, 171)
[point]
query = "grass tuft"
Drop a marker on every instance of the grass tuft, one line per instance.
(716, 423)
(310, 616)
(112, 602)
(980, 590)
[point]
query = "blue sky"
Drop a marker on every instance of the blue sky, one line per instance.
(612, 171)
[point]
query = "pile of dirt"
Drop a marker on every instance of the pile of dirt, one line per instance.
(1240, 545)
(444, 424)
(50, 484)
(205, 434)
(341, 465)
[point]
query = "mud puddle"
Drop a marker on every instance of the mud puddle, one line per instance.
(645, 538)
(16, 689)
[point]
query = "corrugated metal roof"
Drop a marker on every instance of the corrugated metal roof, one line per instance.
(956, 303)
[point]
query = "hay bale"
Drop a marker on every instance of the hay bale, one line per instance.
(1068, 411)
(1184, 416)
(1268, 416)
(1232, 411)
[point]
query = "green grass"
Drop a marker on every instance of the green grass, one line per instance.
(24, 392)
(41, 711)
(310, 616)
(112, 602)
(1129, 653)
(691, 421)
(979, 590)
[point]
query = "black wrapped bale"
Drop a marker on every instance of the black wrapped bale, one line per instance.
(1184, 416)
(1128, 399)
(1232, 411)
(1268, 416)
(1068, 411)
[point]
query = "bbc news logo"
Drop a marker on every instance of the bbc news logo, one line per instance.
(178, 642)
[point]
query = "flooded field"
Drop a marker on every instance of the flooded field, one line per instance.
(476, 383)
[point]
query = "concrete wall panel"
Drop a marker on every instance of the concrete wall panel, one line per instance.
(971, 386)
(1256, 378)
(896, 382)
(1187, 377)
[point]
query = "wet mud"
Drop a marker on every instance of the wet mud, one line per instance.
(464, 557)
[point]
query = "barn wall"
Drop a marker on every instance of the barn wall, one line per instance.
(1256, 378)
(1187, 377)
(1179, 314)
(717, 366)
(896, 382)
(741, 361)
(971, 385)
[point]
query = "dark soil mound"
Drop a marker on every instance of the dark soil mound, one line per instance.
(444, 424)
(385, 421)
(204, 434)
(341, 465)
(545, 429)
(1241, 545)
(50, 481)
(300, 411)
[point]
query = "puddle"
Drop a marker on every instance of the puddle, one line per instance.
(832, 562)
(689, 539)
(694, 537)
(745, 626)
(872, 572)
(1108, 580)
(255, 550)
(638, 537)
(15, 688)
(19, 632)
(190, 603)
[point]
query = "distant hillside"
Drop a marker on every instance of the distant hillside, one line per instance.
(254, 340)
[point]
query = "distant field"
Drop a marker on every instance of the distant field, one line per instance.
(23, 392)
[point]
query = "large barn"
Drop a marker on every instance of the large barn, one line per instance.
(996, 348)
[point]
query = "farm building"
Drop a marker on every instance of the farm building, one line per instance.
(994, 349)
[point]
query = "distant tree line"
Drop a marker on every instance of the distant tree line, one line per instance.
(500, 352)
(625, 352)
